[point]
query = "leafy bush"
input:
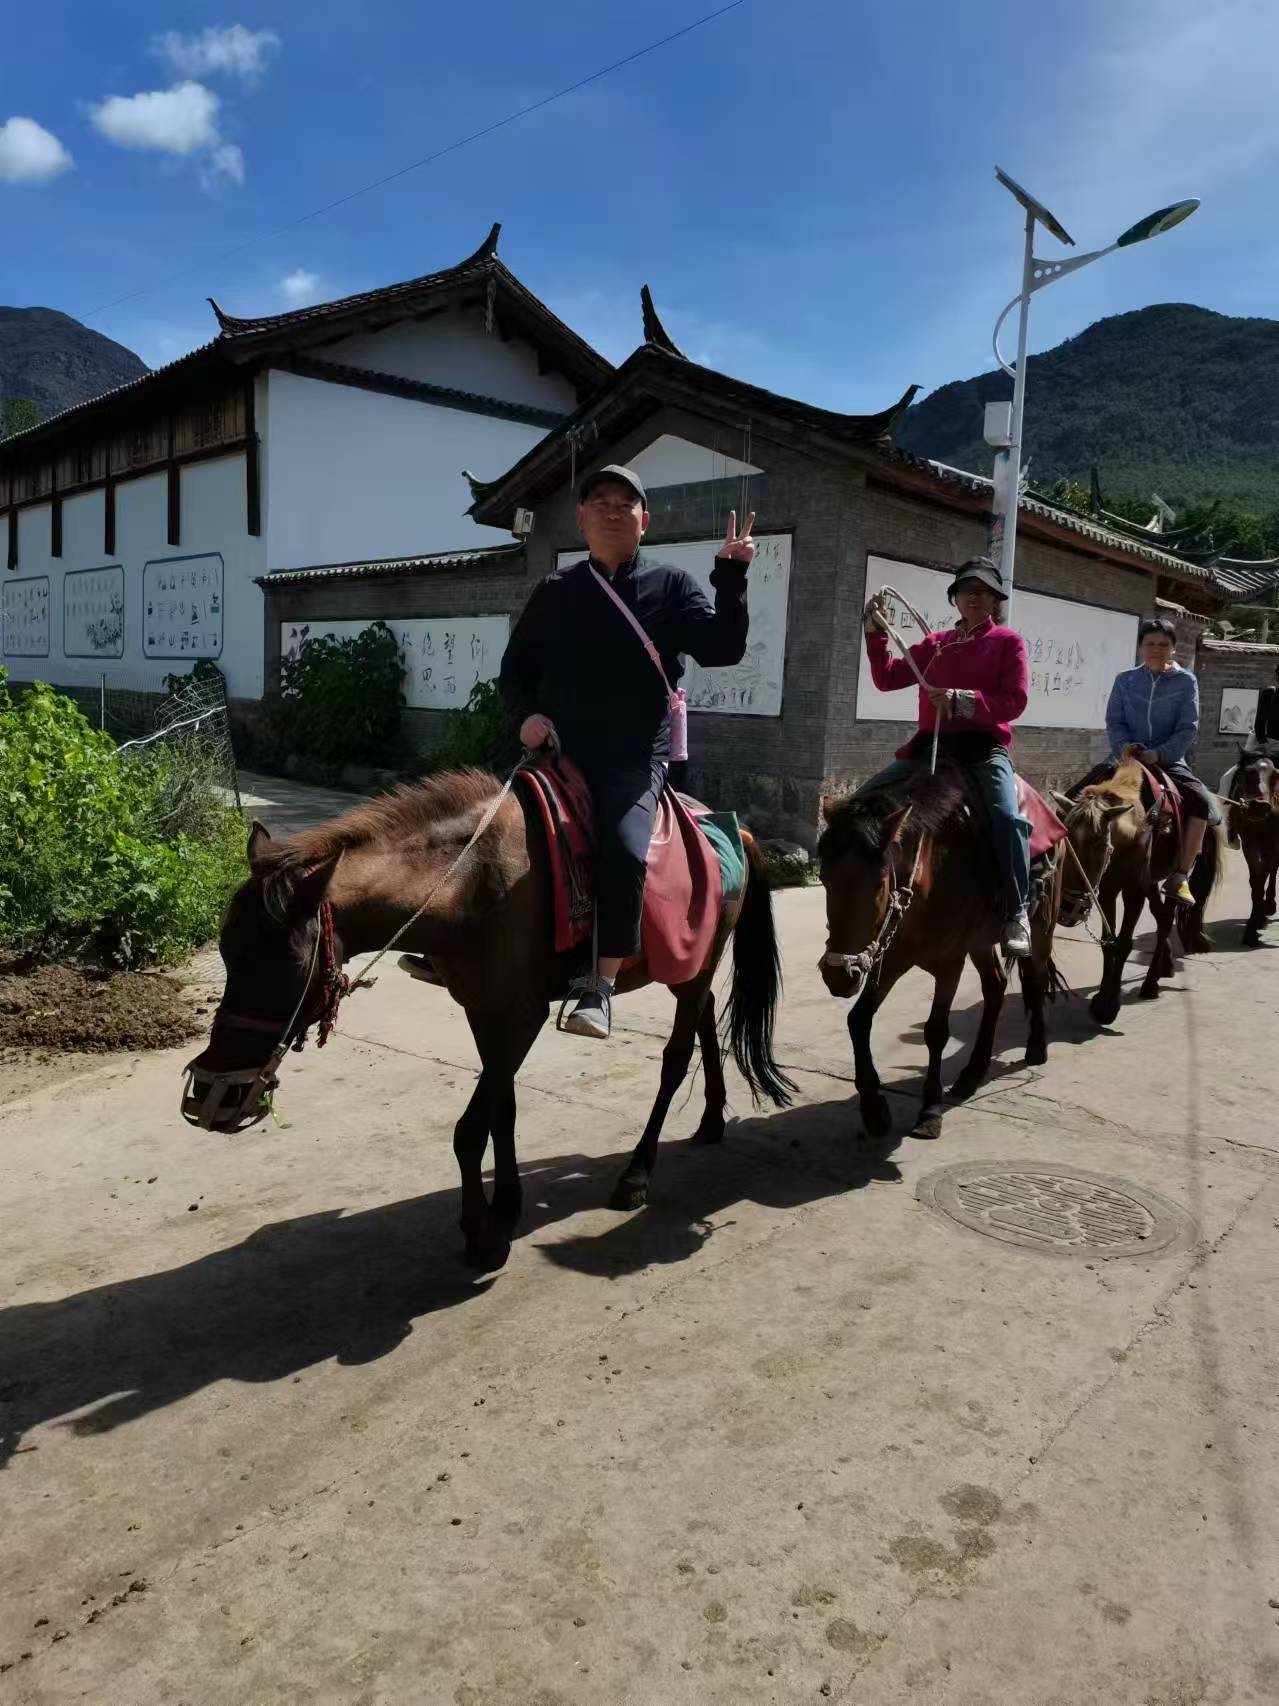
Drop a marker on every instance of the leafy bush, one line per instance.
(338, 702)
(126, 857)
(481, 734)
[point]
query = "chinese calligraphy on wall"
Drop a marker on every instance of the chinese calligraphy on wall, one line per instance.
(24, 615)
(1074, 650)
(182, 607)
(93, 613)
(445, 657)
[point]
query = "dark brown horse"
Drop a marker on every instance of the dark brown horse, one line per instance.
(346, 887)
(1123, 849)
(1255, 818)
(910, 882)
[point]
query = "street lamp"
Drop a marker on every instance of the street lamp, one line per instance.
(1003, 420)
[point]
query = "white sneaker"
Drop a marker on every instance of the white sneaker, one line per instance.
(592, 1017)
(1017, 935)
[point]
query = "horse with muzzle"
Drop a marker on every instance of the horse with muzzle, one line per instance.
(1254, 812)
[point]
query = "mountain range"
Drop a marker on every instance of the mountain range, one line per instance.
(54, 361)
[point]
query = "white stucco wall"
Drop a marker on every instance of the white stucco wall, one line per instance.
(213, 521)
(355, 476)
(452, 348)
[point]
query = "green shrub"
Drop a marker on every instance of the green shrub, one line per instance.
(338, 702)
(481, 734)
(122, 856)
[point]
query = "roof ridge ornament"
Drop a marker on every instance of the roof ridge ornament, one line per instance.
(223, 320)
(654, 331)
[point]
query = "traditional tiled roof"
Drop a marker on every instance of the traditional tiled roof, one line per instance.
(1246, 577)
(1241, 648)
(655, 374)
(480, 276)
(481, 557)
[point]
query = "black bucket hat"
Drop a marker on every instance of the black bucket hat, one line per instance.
(978, 569)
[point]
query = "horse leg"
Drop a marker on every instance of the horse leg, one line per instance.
(486, 1226)
(1257, 889)
(877, 1116)
(631, 1190)
(711, 1130)
(1164, 912)
(937, 1035)
(1104, 1006)
(994, 982)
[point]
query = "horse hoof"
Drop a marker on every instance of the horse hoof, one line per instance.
(1104, 1012)
(1148, 992)
(1252, 938)
(965, 1085)
(1036, 1054)
(486, 1256)
(711, 1131)
(1270, 908)
(629, 1194)
(877, 1117)
(928, 1125)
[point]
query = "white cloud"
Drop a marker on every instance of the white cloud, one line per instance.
(224, 165)
(233, 50)
(30, 154)
(181, 120)
(300, 287)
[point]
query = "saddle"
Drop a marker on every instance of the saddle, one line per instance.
(1046, 828)
(691, 869)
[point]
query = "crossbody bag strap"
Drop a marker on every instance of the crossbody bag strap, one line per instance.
(639, 628)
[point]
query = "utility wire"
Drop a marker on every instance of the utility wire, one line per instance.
(417, 165)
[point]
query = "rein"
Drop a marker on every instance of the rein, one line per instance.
(336, 986)
(857, 966)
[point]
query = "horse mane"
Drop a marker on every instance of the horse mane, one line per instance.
(856, 825)
(432, 812)
(1123, 788)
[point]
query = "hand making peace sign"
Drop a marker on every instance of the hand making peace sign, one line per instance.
(739, 550)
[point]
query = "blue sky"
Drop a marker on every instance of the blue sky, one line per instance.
(806, 184)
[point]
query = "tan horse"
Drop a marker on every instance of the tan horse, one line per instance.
(346, 887)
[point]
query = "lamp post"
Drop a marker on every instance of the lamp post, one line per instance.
(1004, 420)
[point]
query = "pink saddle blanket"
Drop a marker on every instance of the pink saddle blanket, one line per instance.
(1046, 828)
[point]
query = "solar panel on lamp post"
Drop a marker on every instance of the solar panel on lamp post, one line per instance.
(1003, 426)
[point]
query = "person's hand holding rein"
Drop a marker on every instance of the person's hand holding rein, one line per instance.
(537, 732)
(876, 609)
(1143, 754)
(943, 698)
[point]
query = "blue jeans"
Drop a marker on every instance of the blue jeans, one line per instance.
(996, 782)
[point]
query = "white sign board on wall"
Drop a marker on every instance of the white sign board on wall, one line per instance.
(444, 656)
(93, 612)
(752, 688)
(24, 617)
(1075, 650)
(1238, 710)
(182, 607)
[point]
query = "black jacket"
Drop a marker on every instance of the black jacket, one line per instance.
(575, 659)
(1266, 725)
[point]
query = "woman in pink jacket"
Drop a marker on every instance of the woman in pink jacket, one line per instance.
(977, 678)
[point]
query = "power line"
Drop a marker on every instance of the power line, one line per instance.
(417, 165)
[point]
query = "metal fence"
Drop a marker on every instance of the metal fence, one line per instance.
(191, 716)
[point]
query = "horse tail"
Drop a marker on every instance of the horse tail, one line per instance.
(1210, 867)
(757, 987)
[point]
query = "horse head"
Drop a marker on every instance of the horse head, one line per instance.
(1257, 786)
(278, 949)
(1090, 822)
(858, 853)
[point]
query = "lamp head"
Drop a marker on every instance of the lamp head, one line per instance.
(1155, 224)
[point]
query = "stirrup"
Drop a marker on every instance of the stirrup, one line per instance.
(592, 984)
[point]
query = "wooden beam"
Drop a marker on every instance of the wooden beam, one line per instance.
(13, 538)
(108, 508)
(55, 525)
(174, 478)
(252, 462)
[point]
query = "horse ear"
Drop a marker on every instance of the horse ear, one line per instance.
(259, 841)
(1064, 801)
(1116, 810)
(314, 885)
(890, 829)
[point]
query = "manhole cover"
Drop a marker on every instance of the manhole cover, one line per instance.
(1062, 1210)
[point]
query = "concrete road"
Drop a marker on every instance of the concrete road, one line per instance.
(790, 1434)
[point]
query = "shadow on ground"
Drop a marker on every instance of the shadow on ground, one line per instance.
(352, 1286)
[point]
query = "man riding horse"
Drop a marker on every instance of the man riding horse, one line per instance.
(1262, 742)
(579, 677)
(976, 676)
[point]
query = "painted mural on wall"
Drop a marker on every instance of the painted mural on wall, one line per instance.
(24, 618)
(444, 656)
(1238, 710)
(752, 688)
(182, 607)
(1075, 650)
(93, 612)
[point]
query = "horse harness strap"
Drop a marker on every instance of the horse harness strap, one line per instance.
(899, 899)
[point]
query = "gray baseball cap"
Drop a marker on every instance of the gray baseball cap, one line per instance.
(624, 477)
(978, 569)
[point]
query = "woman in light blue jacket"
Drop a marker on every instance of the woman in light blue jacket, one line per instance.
(1153, 716)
